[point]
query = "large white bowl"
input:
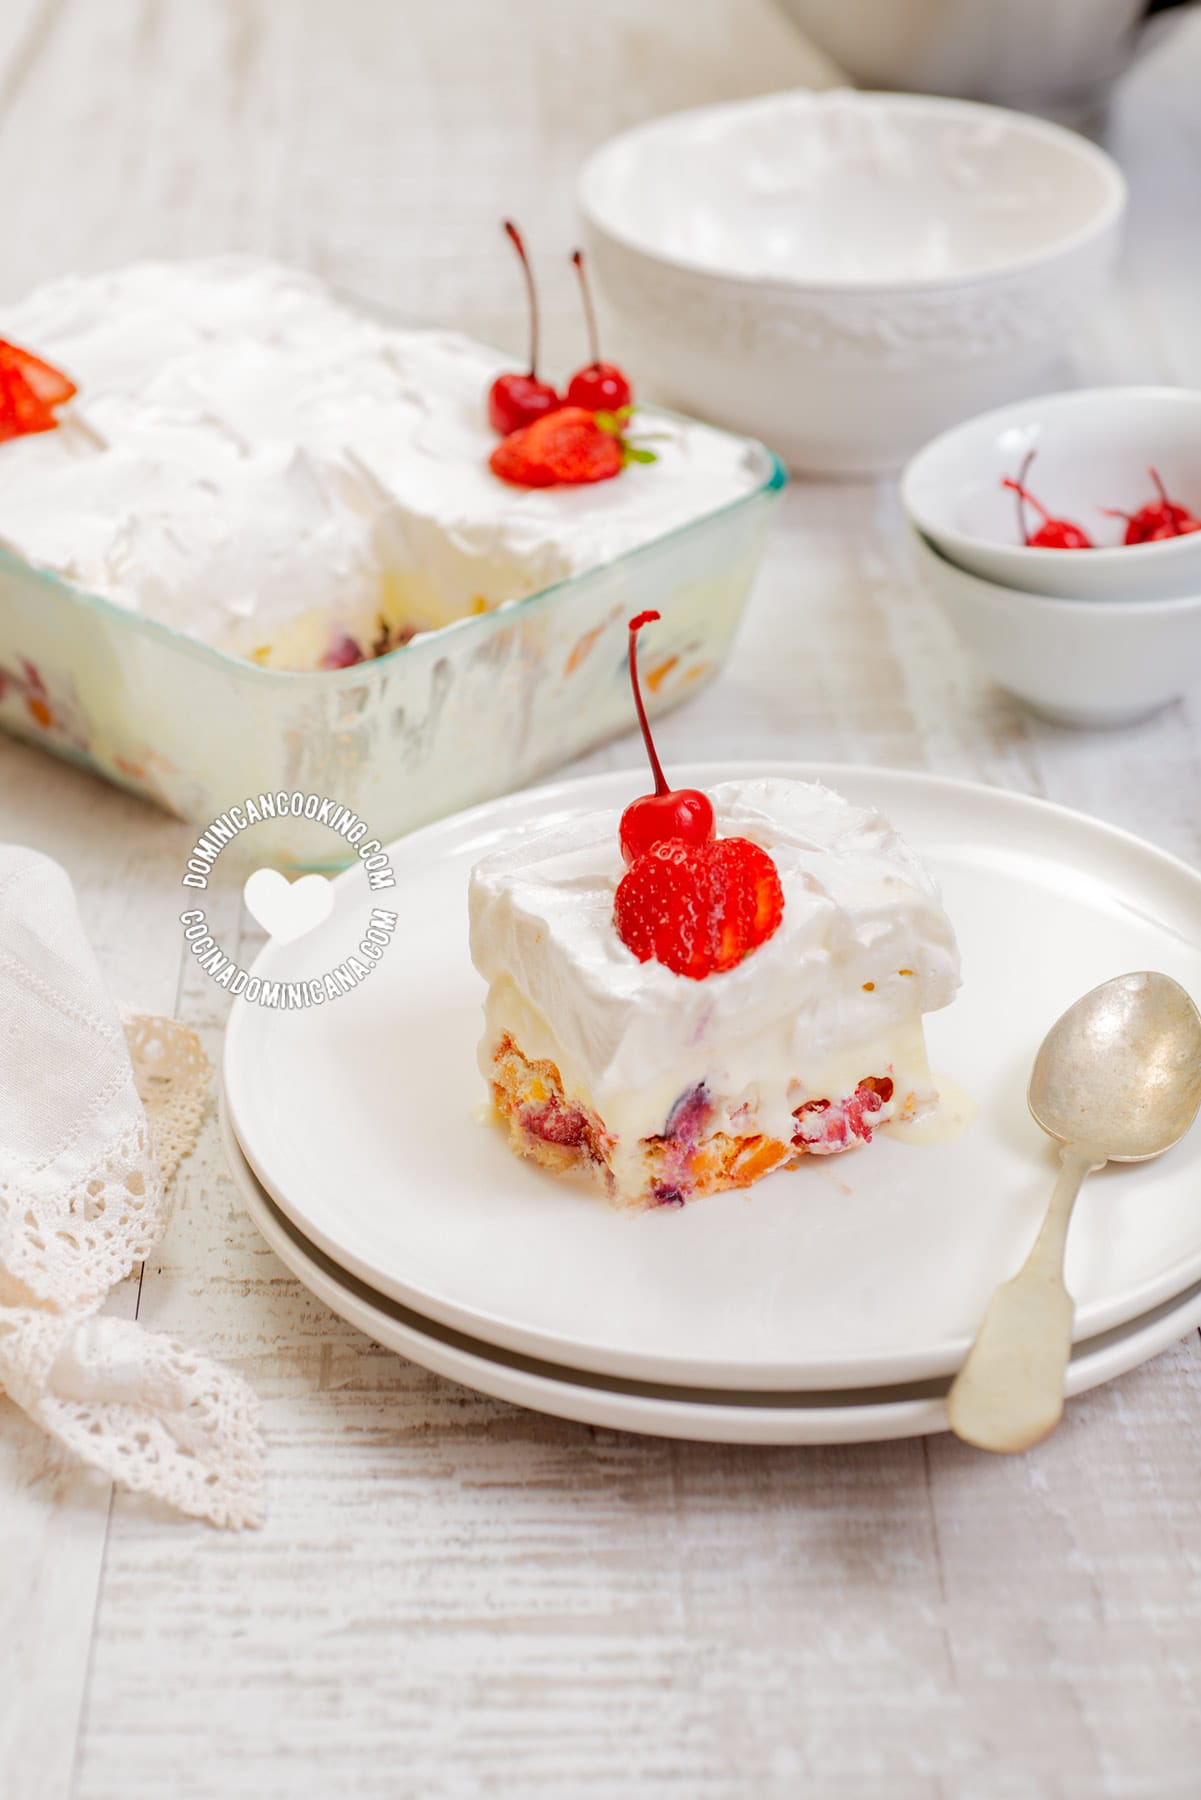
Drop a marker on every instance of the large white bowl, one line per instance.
(847, 274)
(1095, 447)
(1042, 55)
(1079, 662)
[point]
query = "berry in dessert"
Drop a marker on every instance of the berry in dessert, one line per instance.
(30, 389)
(748, 991)
(1052, 534)
(598, 386)
(695, 903)
(1156, 519)
(258, 466)
(517, 400)
(568, 448)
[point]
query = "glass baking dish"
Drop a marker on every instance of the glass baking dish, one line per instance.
(454, 717)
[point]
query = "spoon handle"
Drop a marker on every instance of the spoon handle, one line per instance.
(1009, 1393)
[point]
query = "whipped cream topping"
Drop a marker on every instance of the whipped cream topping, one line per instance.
(837, 993)
(248, 455)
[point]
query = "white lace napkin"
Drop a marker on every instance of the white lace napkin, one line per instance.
(83, 1167)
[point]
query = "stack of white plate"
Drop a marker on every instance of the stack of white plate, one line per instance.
(829, 1304)
(1097, 636)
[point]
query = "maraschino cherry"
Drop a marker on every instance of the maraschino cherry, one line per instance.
(517, 400)
(683, 813)
(600, 386)
(1052, 534)
(1157, 520)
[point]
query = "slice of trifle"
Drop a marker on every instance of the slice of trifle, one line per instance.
(711, 987)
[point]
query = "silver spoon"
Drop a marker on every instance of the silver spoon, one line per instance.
(1118, 1079)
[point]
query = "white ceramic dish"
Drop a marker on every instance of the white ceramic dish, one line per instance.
(874, 1267)
(847, 274)
(1077, 662)
(1058, 55)
(1094, 448)
(869, 1415)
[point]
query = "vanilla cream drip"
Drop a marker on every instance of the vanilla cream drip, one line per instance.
(837, 993)
(255, 464)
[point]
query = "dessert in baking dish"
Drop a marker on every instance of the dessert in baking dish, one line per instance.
(254, 463)
(710, 991)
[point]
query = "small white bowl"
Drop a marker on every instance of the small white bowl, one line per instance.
(845, 274)
(1078, 662)
(1095, 447)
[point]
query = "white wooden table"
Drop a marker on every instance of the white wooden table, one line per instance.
(452, 1597)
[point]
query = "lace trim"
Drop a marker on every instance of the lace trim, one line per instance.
(135, 1404)
(170, 1072)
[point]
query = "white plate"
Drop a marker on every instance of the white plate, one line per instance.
(361, 1120)
(869, 1415)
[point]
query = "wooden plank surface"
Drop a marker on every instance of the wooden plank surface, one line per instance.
(452, 1596)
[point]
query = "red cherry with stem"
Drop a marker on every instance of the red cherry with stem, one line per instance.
(683, 813)
(600, 386)
(517, 400)
(1157, 520)
(1052, 534)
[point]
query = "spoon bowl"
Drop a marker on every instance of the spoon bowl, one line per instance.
(1120, 1072)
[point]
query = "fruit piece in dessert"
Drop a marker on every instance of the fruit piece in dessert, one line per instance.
(30, 389)
(260, 467)
(748, 991)
(569, 448)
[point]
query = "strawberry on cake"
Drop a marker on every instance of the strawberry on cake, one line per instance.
(710, 989)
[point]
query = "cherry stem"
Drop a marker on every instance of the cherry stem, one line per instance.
(577, 257)
(515, 239)
(1169, 509)
(1019, 488)
(646, 618)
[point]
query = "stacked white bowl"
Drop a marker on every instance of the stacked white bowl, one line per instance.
(844, 274)
(1096, 636)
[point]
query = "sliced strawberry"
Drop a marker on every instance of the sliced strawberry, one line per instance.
(516, 459)
(10, 425)
(664, 908)
(576, 448)
(51, 386)
(565, 448)
(751, 900)
(698, 908)
(22, 410)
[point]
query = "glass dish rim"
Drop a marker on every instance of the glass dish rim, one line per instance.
(775, 478)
